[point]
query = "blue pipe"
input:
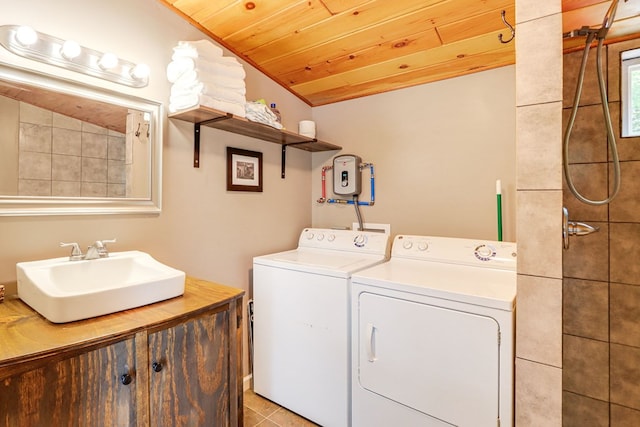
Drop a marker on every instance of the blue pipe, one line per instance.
(372, 184)
(360, 203)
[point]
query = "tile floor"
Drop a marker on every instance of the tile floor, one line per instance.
(260, 412)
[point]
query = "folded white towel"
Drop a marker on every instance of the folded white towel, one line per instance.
(197, 49)
(218, 93)
(181, 73)
(226, 66)
(187, 78)
(183, 102)
(195, 100)
(258, 112)
(189, 83)
(178, 67)
(227, 82)
(192, 77)
(196, 87)
(231, 61)
(227, 107)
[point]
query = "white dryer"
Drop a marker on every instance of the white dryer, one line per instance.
(433, 335)
(302, 347)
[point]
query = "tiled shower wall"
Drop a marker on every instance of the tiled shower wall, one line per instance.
(61, 156)
(601, 271)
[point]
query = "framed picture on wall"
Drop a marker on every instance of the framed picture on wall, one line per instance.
(244, 170)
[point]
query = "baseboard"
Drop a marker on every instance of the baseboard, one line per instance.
(246, 383)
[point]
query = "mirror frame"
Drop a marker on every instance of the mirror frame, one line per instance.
(50, 205)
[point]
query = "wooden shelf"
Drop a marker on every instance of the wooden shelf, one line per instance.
(205, 116)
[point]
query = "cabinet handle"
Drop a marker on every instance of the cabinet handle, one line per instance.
(156, 366)
(125, 379)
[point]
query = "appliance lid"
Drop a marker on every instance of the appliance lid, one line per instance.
(319, 261)
(487, 287)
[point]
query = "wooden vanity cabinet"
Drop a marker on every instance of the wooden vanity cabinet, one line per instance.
(83, 390)
(189, 363)
(173, 363)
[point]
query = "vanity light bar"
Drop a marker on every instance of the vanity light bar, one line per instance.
(26, 42)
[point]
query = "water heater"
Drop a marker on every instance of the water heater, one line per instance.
(347, 178)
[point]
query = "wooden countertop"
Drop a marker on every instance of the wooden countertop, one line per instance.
(25, 335)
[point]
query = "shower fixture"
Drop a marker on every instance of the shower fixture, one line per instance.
(591, 34)
(573, 228)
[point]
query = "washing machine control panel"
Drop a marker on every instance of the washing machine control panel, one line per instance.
(484, 252)
(456, 251)
(348, 240)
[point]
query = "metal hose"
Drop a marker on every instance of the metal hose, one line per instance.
(358, 215)
(611, 140)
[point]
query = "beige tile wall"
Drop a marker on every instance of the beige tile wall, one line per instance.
(601, 359)
(64, 157)
(589, 374)
(539, 208)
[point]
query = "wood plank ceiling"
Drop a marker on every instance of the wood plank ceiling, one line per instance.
(326, 51)
(99, 113)
(591, 13)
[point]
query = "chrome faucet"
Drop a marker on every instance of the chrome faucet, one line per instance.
(95, 251)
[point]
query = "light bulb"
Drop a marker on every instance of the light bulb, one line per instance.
(26, 36)
(140, 71)
(108, 61)
(70, 49)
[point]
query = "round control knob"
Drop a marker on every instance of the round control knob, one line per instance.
(407, 244)
(309, 236)
(320, 237)
(423, 246)
(484, 252)
(125, 379)
(331, 237)
(360, 240)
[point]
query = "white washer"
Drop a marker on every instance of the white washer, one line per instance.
(302, 347)
(433, 335)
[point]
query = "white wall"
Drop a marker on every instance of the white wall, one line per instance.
(437, 149)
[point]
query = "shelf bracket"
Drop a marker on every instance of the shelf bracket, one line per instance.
(283, 162)
(196, 137)
(196, 145)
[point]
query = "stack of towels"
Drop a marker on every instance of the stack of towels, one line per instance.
(201, 75)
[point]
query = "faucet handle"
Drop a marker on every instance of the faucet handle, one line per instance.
(76, 253)
(101, 245)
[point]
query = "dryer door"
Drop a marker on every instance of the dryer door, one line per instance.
(439, 361)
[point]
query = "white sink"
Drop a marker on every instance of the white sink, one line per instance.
(64, 291)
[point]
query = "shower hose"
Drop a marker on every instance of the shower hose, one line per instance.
(611, 140)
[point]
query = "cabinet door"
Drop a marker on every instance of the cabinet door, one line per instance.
(84, 390)
(190, 373)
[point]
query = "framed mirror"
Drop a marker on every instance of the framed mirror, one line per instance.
(67, 148)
